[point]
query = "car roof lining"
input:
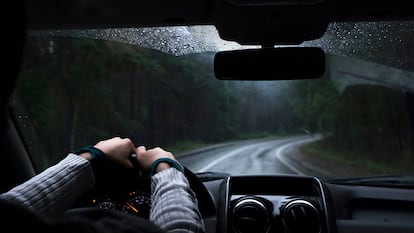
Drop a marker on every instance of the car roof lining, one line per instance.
(265, 25)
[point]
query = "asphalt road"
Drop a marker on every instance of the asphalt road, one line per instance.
(264, 156)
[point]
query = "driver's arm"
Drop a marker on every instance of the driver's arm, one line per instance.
(56, 189)
(174, 206)
(52, 192)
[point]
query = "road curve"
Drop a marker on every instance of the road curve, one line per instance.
(262, 156)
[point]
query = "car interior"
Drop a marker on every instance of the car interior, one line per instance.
(228, 203)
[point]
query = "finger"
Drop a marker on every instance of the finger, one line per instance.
(141, 149)
(157, 150)
(129, 144)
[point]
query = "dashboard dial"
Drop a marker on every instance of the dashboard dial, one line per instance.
(104, 203)
(138, 204)
(107, 205)
(133, 202)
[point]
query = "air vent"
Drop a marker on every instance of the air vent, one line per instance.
(251, 214)
(301, 216)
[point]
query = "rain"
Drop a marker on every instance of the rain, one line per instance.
(388, 43)
(383, 42)
(180, 40)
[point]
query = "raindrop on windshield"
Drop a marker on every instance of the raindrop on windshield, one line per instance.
(388, 43)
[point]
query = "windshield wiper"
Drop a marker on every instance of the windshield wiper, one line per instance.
(397, 181)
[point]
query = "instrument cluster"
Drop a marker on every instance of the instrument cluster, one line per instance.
(133, 202)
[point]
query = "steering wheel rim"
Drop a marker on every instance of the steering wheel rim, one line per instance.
(113, 181)
(205, 201)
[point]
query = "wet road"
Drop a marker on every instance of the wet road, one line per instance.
(263, 156)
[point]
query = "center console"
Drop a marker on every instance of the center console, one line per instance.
(270, 204)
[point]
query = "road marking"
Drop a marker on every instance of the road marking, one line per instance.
(226, 156)
(278, 154)
(282, 159)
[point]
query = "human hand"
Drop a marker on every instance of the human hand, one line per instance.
(118, 150)
(147, 157)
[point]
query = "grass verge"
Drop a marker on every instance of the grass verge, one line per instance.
(351, 160)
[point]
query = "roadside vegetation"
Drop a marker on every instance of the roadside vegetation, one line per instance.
(351, 165)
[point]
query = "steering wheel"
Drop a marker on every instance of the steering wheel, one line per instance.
(125, 190)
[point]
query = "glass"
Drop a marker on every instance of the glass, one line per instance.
(79, 87)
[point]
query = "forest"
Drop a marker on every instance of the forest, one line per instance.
(79, 91)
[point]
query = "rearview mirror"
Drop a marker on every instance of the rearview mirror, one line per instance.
(286, 63)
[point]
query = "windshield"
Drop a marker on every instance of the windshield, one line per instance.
(157, 86)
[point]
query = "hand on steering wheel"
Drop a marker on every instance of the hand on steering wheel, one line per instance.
(117, 179)
(119, 151)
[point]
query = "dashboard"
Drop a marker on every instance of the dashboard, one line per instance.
(300, 204)
(278, 204)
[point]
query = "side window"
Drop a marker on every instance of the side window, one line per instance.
(27, 131)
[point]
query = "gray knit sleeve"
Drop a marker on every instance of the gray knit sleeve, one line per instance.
(56, 189)
(174, 205)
